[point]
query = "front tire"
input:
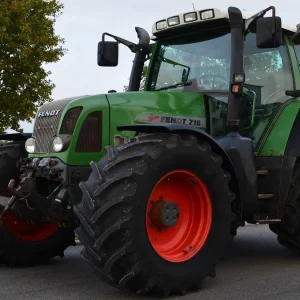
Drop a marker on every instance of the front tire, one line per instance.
(116, 206)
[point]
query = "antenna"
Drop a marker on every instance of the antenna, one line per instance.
(193, 6)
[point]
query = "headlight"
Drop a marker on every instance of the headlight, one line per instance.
(30, 145)
(190, 17)
(57, 144)
(61, 143)
(161, 25)
(173, 21)
(207, 14)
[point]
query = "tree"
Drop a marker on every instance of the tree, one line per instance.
(143, 79)
(27, 43)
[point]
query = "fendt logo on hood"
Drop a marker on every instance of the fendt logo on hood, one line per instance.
(48, 113)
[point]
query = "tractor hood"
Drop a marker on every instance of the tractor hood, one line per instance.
(111, 110)
(156, 107)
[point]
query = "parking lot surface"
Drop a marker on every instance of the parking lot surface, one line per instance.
(257, 267)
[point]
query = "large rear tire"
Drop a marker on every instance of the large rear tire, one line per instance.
(28, 244)
(122, 234)
(22, 243)
(10, 156)
(288, 231)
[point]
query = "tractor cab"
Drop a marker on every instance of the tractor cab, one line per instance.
(193, 52)
(199, 62)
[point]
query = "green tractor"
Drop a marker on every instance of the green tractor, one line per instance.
(211, 142)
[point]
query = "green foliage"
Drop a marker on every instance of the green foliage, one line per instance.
(27, 42)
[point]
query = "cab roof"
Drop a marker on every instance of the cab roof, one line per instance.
(211, 15)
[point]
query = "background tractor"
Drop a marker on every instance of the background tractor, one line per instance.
(24, 241)
(211, 142)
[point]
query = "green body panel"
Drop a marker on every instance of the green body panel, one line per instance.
(275, 140)
(126, 109)
(89, 104)
(294, 63)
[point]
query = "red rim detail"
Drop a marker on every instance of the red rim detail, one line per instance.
(29, 232)
(184, 240)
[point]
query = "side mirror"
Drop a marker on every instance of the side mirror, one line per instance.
(108, 54)
(265, 35)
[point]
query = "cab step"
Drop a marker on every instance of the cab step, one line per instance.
(263, 218)
(265, 196)
(269, 221)
(262, 172)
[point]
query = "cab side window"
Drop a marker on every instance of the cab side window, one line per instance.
(270, 72)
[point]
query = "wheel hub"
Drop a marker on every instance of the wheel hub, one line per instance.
(164, 214)
(178, 239)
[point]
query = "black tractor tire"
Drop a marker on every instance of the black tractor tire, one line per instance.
(13, 250)
(113, 216)
(288, 231)
(10, 156)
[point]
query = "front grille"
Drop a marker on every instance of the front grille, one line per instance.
(70, 119)
(45, 127)
(90, 137)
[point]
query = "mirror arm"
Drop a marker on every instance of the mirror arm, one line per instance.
(252, 19)
(296, 35)
(130, 45)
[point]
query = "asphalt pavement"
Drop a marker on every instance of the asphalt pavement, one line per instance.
(257, 267)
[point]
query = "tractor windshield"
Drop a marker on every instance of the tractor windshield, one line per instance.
(192, 64)
(200, 64)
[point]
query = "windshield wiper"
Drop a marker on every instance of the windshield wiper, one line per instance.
(185, 83)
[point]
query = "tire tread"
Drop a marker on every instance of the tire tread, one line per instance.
(110, 222)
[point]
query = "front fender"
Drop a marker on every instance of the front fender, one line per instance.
(150, 128)
(174, 128)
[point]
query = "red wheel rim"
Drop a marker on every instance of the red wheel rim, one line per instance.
(184, 240)
(29, 232)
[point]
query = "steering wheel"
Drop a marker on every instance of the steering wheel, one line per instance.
(223, 81)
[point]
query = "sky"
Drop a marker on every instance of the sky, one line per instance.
(83, 22)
